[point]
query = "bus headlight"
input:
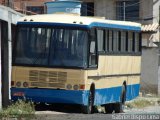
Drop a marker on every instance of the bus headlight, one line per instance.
(69, 86)
(75, 87)
(25, 84)
(18, 84)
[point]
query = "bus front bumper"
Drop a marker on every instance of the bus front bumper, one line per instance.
(50, 95)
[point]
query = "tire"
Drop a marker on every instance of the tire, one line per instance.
(90, 107)
(109, 108)
(119, 107)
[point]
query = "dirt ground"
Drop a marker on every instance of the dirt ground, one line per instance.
(50, 112)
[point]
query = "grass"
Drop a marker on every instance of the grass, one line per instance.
(140, 103)
(19, 109)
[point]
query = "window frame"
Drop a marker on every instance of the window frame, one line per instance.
(119, 52)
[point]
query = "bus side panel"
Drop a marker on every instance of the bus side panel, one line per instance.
(111, 74)
(132, 91)
(112, 95)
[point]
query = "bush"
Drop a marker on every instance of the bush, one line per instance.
(19, 109)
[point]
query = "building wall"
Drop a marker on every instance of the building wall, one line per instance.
(156, 19)
(7, 18)
(150, 56)
(21, 5)
(105, 8)
(149, 72)
(146, 11)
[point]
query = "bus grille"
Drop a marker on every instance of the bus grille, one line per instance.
(47, 79)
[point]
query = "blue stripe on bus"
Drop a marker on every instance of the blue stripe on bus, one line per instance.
(76, 97)
(116, 26)
(94, 24)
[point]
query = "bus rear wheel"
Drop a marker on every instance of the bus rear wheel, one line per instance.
(119, 107)
(90, 107)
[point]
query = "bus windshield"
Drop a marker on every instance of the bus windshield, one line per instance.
(51, 47)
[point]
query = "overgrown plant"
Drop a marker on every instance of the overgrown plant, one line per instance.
(19, 109)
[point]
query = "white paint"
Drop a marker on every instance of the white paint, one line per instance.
(70, 18)
(0, 72)
(10, 16)
(159, 80)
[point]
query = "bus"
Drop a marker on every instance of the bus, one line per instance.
(71, 59)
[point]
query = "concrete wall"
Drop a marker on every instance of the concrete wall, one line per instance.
(146, 11)
(10, 17)
(0, 71)
(149, 73)
(105, 8)
(156, 15)
(156, 7)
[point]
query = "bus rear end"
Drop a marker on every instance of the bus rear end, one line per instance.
(48, 85)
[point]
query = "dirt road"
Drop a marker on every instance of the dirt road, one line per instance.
(49, 113)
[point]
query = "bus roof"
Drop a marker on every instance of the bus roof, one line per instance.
(80, 21)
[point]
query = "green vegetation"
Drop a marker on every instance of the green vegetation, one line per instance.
(140, 103)
(19, 109)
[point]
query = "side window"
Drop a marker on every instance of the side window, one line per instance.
(107, 40)
(110, 41)
(92, 50)
(115, 41)
(133, 44)
(100, 40)
(130, 41)
(126, 46)
(123, 41)
(137, 42)
(119, 41)
(140, 42)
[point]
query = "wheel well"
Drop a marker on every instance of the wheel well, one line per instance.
(124, 92)
(92, 88)
(125, 85)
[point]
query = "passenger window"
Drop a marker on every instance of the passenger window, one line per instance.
(110, 41)
(115, 41)
(92, 57)
(107, 40)
(130, 41)
(137, 42)
(123, 41)
(119, 41)
(100, 39)
(92, 50)
(140, 42)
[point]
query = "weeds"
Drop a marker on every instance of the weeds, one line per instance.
(140, 103)
(20, 109)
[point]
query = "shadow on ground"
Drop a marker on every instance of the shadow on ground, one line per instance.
(58, 108)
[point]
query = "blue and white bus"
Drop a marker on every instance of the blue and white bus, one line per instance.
(66, 58)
